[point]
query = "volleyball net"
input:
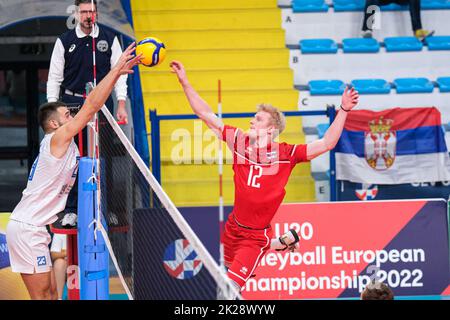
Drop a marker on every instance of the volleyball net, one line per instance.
(153, 252)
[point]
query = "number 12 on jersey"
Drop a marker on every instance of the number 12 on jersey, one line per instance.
(254, 174)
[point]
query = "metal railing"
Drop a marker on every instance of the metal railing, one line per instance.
(155, 134)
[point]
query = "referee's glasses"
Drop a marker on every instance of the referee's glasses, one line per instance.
(87, 12)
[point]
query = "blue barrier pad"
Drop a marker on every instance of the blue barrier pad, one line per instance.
(318, 46)
(96, 275)
(322, 128)
(413, 85)
(372, 86)
(326, 87)
(309, 6)
(348, 5)
(394, 44)
(444, 84)
(89, 186)
(438, 43)
(94, 249)
(434, 4)
(360, 45)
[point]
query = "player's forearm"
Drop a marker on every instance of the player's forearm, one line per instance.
(198, 105)
(334, 132)
(97, 98)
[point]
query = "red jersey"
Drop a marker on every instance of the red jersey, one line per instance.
(260, 176)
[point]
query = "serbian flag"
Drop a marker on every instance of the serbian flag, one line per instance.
(399, 145)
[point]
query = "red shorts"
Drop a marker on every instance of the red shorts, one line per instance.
(243, 249)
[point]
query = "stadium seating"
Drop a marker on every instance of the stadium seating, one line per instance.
(438, 43)
(360, 45)
(371, 45)
(392, 69)
(371, 86)
(318, 46)
(348, 5)
(413, 85)
(347, 24)
(394, 44)
(358, 5)
(321, 129)
(443, 84)
(326, 87)
(378, 86)
(394, 7)
(435, 4)
(309, 6)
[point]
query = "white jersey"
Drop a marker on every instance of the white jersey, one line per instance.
(48, 187)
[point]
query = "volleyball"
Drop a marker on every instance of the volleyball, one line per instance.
(153, 51)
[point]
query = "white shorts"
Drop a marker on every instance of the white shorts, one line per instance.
(59, 242)
(28, 248)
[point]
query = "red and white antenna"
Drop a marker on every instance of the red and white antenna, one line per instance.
(221, 214)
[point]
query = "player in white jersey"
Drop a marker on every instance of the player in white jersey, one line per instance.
(51, 178)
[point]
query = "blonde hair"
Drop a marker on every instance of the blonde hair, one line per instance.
(278, 118)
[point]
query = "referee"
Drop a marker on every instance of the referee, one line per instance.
(71, 65)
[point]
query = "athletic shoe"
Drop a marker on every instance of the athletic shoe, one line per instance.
(422, 34)
(366, 34)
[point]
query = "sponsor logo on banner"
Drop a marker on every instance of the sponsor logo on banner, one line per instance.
(181, 261)
(367, 192)
(380, 144)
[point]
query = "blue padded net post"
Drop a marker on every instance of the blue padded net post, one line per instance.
(93, 256)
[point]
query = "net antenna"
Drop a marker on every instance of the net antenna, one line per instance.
(221, 211)
(93, 153)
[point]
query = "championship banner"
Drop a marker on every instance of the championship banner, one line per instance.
(394, 146)
(343, 245)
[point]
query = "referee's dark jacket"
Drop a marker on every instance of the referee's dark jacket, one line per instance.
(71, 65)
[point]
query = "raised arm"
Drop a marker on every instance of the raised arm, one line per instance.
(331, 137)
(94, 102)
(198, 105)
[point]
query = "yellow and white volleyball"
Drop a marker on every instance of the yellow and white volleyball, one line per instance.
(153, 51)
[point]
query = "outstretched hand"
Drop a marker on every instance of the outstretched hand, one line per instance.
(127, 60)
(350, 98)
(178, 69)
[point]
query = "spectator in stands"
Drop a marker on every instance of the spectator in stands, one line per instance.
(376, 290)
(414, 10)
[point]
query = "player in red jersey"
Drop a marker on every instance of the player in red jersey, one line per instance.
(261, 171)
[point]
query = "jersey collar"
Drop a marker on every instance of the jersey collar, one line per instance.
(81, 34)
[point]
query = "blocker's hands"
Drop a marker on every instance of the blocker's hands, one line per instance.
(178, 69)
(127, 60)
(350, 99)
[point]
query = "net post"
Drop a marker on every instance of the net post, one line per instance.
(92, 253)
(331, 113)
(156, 150)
